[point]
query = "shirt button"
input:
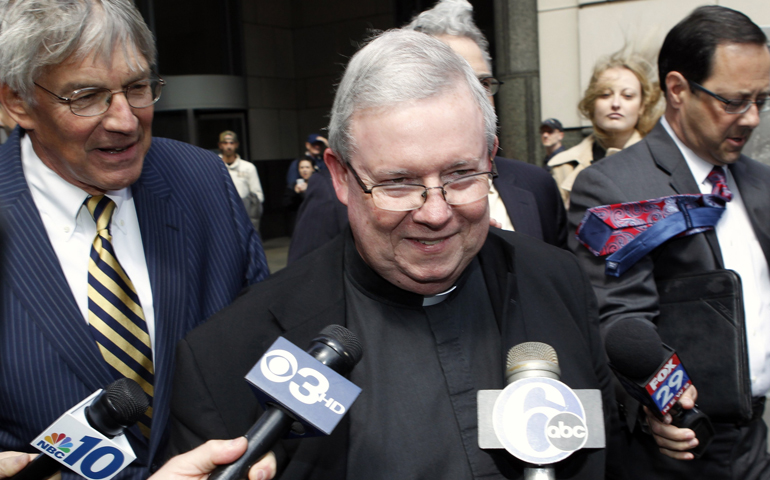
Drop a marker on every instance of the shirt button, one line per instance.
(66, 229)
(122, 223)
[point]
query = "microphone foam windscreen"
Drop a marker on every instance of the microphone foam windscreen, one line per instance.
(127, 401)
(634, 348)
(347, 339)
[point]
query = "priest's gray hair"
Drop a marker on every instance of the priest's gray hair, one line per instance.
(452, 17)
(396, 67)
(36, 34)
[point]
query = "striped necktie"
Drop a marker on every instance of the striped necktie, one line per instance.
(114, 311)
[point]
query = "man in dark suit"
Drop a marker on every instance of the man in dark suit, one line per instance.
(523, 197)
(86, 302)
(715, 71)
(435, 297)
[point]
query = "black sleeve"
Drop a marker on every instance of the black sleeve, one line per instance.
(194, 417)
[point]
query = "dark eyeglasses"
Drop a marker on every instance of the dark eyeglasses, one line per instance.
(92, 101)
(735, 107)
(490, 84)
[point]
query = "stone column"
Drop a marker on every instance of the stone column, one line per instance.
(517, 64)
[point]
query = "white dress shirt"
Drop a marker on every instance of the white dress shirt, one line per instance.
(742, 253)
(72, 230)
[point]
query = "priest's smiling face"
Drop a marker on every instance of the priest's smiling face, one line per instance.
(429, 142)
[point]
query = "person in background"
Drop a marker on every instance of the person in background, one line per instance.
(321, 217)
(522, 197)
(622, 103)
(314, 151)
(551, 135)
(116, 243)
(244, 175)
(294, 196)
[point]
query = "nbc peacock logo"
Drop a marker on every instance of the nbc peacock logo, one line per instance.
(61, 441)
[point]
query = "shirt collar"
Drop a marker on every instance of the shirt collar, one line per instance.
(699, 168)
(62, 200)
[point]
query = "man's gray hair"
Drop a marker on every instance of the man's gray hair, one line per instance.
(452, 17)
(401, 66)
(35, 34)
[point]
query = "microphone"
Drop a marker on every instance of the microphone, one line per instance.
(333, 353)
(533, 360)
(537, 418)
(652, 373)
(117, 407)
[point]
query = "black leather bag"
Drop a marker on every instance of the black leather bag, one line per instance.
(702, 318)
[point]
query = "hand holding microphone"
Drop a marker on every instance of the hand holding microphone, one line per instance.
(652, 373)
(198, 463)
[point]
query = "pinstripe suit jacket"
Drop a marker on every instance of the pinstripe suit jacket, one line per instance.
(201, 250)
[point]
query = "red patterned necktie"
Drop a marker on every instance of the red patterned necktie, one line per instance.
(718, 181)
(628, 231)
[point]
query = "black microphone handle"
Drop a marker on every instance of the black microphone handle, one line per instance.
(41, 467)
(271, 427)
(698, 422)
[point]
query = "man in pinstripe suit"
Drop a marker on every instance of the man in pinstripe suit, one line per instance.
(78, 79)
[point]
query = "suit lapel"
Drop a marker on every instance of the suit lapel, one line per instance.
(669, 158)
(161, 224)
(36, 278)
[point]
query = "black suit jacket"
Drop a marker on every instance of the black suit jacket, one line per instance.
(530, 196)
(555, 306)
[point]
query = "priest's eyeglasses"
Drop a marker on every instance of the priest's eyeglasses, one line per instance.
(404, 197)
(735, 107)
(93, 101)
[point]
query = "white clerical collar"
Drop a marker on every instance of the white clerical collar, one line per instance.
(430, 300)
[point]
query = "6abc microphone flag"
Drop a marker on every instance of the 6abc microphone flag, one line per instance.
(537, 418)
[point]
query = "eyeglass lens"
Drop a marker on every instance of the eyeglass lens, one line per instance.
(399, 198)
(95, 101)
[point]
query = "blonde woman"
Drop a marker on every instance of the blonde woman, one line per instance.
(622, 103)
